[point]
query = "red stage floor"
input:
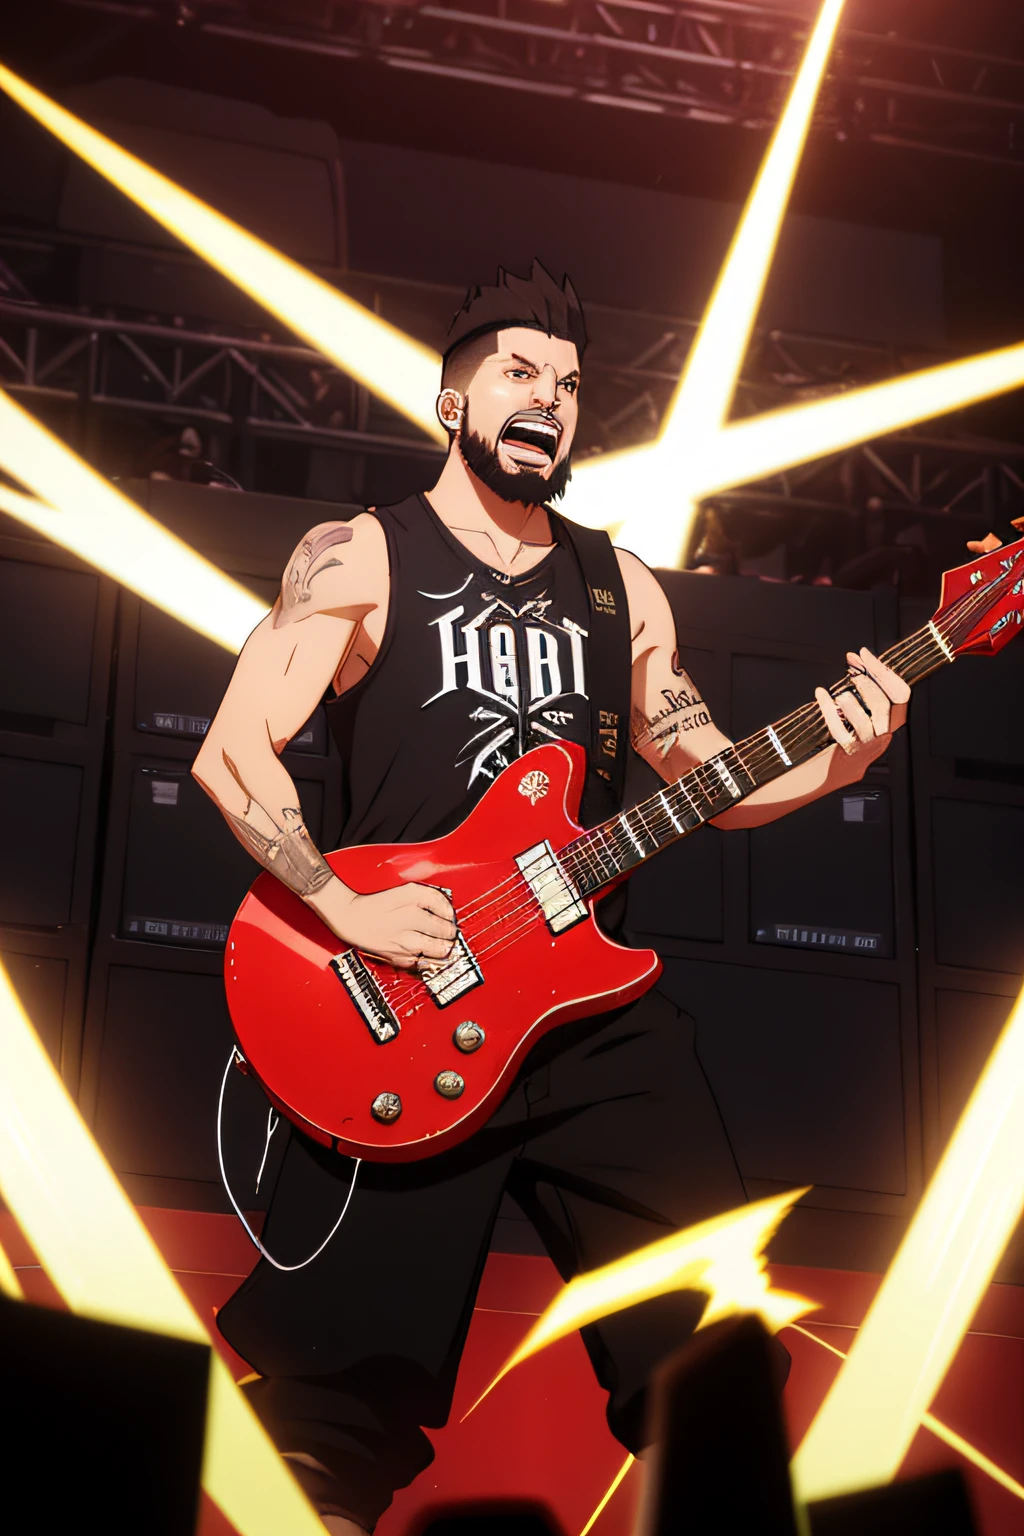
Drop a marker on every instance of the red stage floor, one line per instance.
(542, 1434)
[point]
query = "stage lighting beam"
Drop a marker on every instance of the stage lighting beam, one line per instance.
(98, 1254)
(659, 526)
(723, 1257)
(80, 510)
(931, 1291)
(10, 1285)
(608, 1495)
(390, 364)
(765, 445)
(942, 1432)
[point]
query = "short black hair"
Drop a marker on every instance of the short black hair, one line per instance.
(536, 303)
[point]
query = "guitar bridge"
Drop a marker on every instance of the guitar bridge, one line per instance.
(367, 996)
(558, 898)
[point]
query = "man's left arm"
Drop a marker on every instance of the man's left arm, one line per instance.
(672, 729)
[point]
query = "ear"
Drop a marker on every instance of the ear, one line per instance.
(450, 406)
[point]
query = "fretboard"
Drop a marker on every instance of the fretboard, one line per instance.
(610, 850)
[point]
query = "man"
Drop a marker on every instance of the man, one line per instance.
(458, 630)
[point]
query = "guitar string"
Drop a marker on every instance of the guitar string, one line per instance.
(808, 715)
(959, 617)
(918, 644)
(959, 613)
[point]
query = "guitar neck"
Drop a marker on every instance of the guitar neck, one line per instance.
(616, 847)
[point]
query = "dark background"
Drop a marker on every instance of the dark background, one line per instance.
(902, 247)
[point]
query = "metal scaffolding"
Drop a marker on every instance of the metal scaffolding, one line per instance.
(248, 386)
(716, 61)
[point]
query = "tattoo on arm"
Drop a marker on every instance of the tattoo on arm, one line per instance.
(307, 564)
(287, 850)
(683, 711)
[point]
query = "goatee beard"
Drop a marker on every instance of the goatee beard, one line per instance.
(529, 487)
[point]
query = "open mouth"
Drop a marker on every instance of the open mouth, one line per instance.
(531, 441)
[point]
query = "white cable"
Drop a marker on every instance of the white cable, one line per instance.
(287, 1268)
(266, 1145)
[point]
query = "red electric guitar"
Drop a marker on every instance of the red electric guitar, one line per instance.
(392, 1065)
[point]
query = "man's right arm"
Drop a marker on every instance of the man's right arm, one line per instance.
(337, 576)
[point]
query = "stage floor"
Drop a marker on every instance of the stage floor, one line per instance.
(541, 1434)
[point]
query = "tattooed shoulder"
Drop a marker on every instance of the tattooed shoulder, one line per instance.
(316, 553)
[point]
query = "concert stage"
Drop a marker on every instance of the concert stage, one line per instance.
(542, 1435)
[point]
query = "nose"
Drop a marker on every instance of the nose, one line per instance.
(545, 388)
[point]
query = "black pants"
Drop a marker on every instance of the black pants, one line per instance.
(610, 1139)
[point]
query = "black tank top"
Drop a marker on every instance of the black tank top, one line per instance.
(474, 669)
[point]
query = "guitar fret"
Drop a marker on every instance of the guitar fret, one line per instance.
(726, 777)
(629, 834)
(669, 812)
(773, 737)
(681, 786)
(638, 811)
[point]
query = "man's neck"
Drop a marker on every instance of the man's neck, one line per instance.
(462, 501)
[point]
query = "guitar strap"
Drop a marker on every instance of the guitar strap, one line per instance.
(609, 666)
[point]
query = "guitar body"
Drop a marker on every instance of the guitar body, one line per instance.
(325, 1050)
(392, 1066)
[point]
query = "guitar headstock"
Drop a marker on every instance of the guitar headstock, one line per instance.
(982, 602)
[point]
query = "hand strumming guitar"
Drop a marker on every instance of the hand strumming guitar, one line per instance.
(408, 925)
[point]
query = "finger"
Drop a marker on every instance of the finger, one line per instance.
(874, 699)
(856, 716)
(891, 684)
(436, 902)
(434, 927)
(425, 948)
(838, 730)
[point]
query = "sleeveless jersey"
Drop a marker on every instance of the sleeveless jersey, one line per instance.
(474, 669)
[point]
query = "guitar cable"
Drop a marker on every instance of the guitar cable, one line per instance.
(286, 1268)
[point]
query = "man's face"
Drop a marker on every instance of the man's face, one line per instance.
(521, 412)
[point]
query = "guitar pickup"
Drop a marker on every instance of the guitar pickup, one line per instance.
(558, 898)
(369, 1000)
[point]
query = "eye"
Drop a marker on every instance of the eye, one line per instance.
(570, 386)
(519, 373)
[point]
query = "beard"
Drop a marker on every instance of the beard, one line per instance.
(528, 487)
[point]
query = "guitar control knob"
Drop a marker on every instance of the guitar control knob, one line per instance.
(386, 1107)
(449, 1084)
(469, 1036)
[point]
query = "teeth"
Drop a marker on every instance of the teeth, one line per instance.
(533, 425)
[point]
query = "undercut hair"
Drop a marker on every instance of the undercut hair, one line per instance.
(536, 303)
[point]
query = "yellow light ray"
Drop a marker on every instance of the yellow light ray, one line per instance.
(389, 363)
(10, 1285)
(602, 489)
(88, 515)
(607, 1498)
(764, 445)
(104, 1263)
(942, 1432)
(705, 391)
(933, 1287)
(724, 1257)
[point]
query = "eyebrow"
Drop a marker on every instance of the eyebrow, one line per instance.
(573, 373)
